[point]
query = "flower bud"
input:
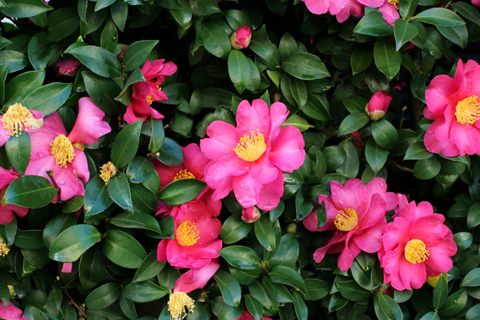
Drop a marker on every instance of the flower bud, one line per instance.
(378, 105)
(250, 215)
(292, 228)
(67, 67)
(240, 39)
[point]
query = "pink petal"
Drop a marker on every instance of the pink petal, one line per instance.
(246, 189)
(6, 177)
(166, 173)
(67, 267)
(3, 135)
(194, 256)
(80, 165)
(334, 244)
(6, 213)
(370, 240)
(251, 118)
(287, 152)
(223, 189)
(223, 168)
(317, 6)
(41, 139)
(372, 3)
(270, 193)
(345, 259)
(412, 275)
(278, 115)
(465, 137)
(89, 125)
(337, 5)
(140, 109)
(389, 13)
(375, 213)
(37, 167)
(438, 93)
(223, 139)
(194, 160)
(162, 250)
(196, 279)
(354, 196)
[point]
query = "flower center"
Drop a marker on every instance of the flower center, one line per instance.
(183, 174)
(3, 248)
(250, 148)
(62, 150)
(108, 171)
(415, 251)
(149, 99)
(178, 303)
(394, 3)
(16, 119)
(346, 220)
(187, 234)
(468, 110)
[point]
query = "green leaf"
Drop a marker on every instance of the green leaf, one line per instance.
(386, 308)
(56, 226)
(149, 268)
(286, 275)
(456, 34)
(119, 190)
(360, 59)
(473, 313)
(29, 239)
(440, 17)
(426, 169)
(47, 99)
(300, 307)
(472, 279)
(239, 70)
(376, 156)
(96, 197)
(259, 293)
(119, 13)
(468, 11)
(276, 291)
(352, 122)
(440, 293)
(138, 220)
(215, 40)
(19, 150)
(387, 59)
(157, 136)
(142, 292)
(454, 304)
(126, 144)
(30, 192)
(136, 53)
(99, 60)
(103, 92)
(351, 165)
(241, 257)
(404, 32)
(40, 50)
(287, 252)
(15, 61)
(298, 90)
(317, 107)
(23, 84)
(432, 315)
(144, 201)
(407, 8)
(92, 268)
(181, 191)
(125, 96)
(254, 307)
(417, 151)
(316, 289)
(350, 290)
(229, 287)
(103, 296)
(69, 245)
(234, 229)
(123, 250)
(62, 23)
(265, 234)
(402, 296)
(373, 24)
(384, 134)
(298, 122)
(170, 153)
(305, 66)
(463, 240)
(24, 8)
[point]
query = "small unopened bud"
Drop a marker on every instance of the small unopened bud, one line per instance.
(292, 228)
(250, 215)
(67, 67)
(277, 96)
(240, 39)
(378, 105)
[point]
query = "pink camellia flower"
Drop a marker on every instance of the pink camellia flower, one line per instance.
(240, 39)
(18, 119)
(7, 210)
(196, 240)
(145, 92)
(251, 157)
(248, 316)
(55, 150)
(339, 8)
(193, 279)
(454, 104)
(416, 245)
(388, 8)
(356, 213)
(11, 312)
(250, 215)
(67, 68)
(378, 105)
(476, 3)
(193, 167)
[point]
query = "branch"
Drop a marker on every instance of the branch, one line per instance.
(403, 168)
(75, 305)
(334, 134)
(50, 174)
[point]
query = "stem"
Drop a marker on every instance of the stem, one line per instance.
(153, 155)
(75, 305)
(403, 168)
(50, 174)
(334, 134)
(15, 21)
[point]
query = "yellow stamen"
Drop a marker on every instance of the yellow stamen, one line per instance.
(62, 150)
(108, 171)
(16, 119)
(183, 174)
(394, 3)
(468, 110)
(149, 99)
(251, 148)
(346, 220)
(415, 251)
(178, 304)
(187, 234)
(79, 146)
(3, 248)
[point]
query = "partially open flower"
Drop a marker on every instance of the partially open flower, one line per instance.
(67, 68)
(250, 215)
(240, 39)
(378, 105)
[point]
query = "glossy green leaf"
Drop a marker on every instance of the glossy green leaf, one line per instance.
(181, 191)
(142, 292)
(103, 296)
(136, 53)
(123, 249)
(305, 66)
(71, 243)
(265, 234)
(238, 70)
(229, 287)
(25, 8)
(234, 229)
(241, 257)
(286, 275)
(149, 268)
(352, 122)
(30, 192)
(126, 144)
(47, 99)
(96, 197)
(56, 225)
(403, 32)
(119, 190)
(19, 150)
(138, 220)
(440, 17)
(387, 59)
(99, 60)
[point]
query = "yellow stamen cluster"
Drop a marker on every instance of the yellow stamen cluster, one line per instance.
(108, 171)
(187, 234)
(3, 248)
(415, 251)
(178, 304)
(346, 220)
(394, 3)
(468, 110)
(16, 119)
(149, 99)
(251, 148)
(183, 174)
(62, 150)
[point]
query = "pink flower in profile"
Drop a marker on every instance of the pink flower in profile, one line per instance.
(248, 316)
(250, 215)
(356, 213)
(378, 105)
(454, 105)
(145, 92)
(67, 68)
(193, 167)
(339, 8)
(10, 312)
(240, 39)
(388, 8)
(416, 245)
(250, 159)
(55, 150)
(196, 240)
(18, 119)
(7, 210)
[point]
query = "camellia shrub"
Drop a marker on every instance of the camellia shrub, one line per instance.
(239, 160)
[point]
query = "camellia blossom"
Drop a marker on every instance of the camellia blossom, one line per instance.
(145, 92)
(196, 240)
(356, 213)
(246, 315)
(10, 312)
(55, 150)
(240, 39)
(378, 105)
(179, 301)
(416, 245)
(7, 210)
(250, 159)
(454, 105)
(388, 8)
(339, 8)
(18, 119)
(250, 215)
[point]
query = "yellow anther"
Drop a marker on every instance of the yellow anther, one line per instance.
(108, 171)
(415, 251)
(16, 119)
(394, 3)
(468, 110)
(187, 234)
(250, 148)
(3, 248)
(149, 99)
(178, 304)
(183, 174)
(346, 220)
(62, 150)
